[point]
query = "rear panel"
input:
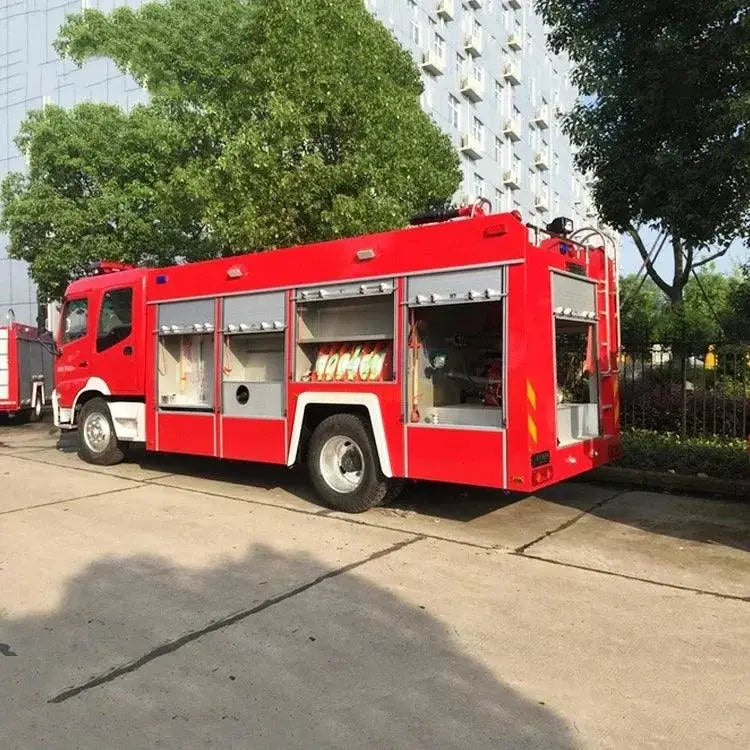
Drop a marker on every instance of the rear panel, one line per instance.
(4, 367)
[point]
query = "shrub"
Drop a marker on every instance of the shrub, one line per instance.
(725, 458)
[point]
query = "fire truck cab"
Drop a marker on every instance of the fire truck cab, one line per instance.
(456, 351)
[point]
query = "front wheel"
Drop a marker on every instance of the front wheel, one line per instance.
(343, 464)
(97, 441)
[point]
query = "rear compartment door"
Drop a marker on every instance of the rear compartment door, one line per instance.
(4, 364)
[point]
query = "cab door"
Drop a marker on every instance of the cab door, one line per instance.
(73, 365)
(118, 345)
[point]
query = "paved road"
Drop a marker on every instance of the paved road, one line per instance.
(180, 603)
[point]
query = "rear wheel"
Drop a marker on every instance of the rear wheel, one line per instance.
(35, 413)
(97, 441)
(343, 464)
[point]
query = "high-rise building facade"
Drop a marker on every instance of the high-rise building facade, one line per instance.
(492, 84)
(489, 82)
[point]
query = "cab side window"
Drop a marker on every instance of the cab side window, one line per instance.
(75, 320)
(115, 318)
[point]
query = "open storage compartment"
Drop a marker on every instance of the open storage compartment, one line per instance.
(455, 349)
(186, 371)
(185, 355)
(253, 361)
(345, 334)
(253, 382)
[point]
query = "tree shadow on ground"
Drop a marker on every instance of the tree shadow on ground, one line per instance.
(343, 663)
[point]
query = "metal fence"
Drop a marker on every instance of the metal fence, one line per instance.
(689, 390)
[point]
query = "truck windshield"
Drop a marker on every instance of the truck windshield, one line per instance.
(75, 320)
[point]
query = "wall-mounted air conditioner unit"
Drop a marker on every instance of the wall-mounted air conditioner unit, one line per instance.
(446, 10)
(541, 160)
(512, 74)
(470, 146)
(511, 179)
(515, 42)
(433, 63)
(512, 129)
(472, 88)
(473, 45)
(541, 117)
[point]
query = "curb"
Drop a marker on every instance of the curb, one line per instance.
(738, 489)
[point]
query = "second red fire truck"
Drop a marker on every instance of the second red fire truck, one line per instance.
(25, 371)
(456, 351)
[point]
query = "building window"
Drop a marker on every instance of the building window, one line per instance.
(459, 65)
(478, 185)
(498, 200)
(415, 30)
(478, 131)
(454, 110)
(498, 150)
(498, 97)
(507, 154)
(426, 99)
(438, 47)
(477, 71)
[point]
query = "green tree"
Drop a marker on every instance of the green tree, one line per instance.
(101, 184)
(270, 123)
(737, 310)
(641, 310)
(646, 315)
(699, 321)
(663, 124)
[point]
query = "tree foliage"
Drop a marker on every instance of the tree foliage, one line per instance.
(737, 313)
(664, 122)
(270, 123)
(708, 307)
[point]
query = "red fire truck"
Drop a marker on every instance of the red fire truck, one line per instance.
(25, 371)
(457, 351)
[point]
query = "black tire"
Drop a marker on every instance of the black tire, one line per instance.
(21, 417)
(35, 413)
(373, 485)
(395, 488)
(111, 453)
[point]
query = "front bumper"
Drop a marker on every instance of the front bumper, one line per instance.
(62, 417)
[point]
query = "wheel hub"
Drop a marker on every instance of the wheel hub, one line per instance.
(342, 464)
(96, 432)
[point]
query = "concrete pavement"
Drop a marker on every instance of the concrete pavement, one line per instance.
(182, 603)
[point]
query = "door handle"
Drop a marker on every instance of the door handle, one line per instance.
(83, 364)
(128, 351)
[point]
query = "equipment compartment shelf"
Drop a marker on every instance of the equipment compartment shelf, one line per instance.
(348, 338)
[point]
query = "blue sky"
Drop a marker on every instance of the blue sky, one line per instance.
(631, 259)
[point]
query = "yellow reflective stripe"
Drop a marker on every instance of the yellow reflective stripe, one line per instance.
(531, 394)
(532, 430)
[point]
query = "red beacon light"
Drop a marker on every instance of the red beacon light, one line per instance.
(111, 266)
